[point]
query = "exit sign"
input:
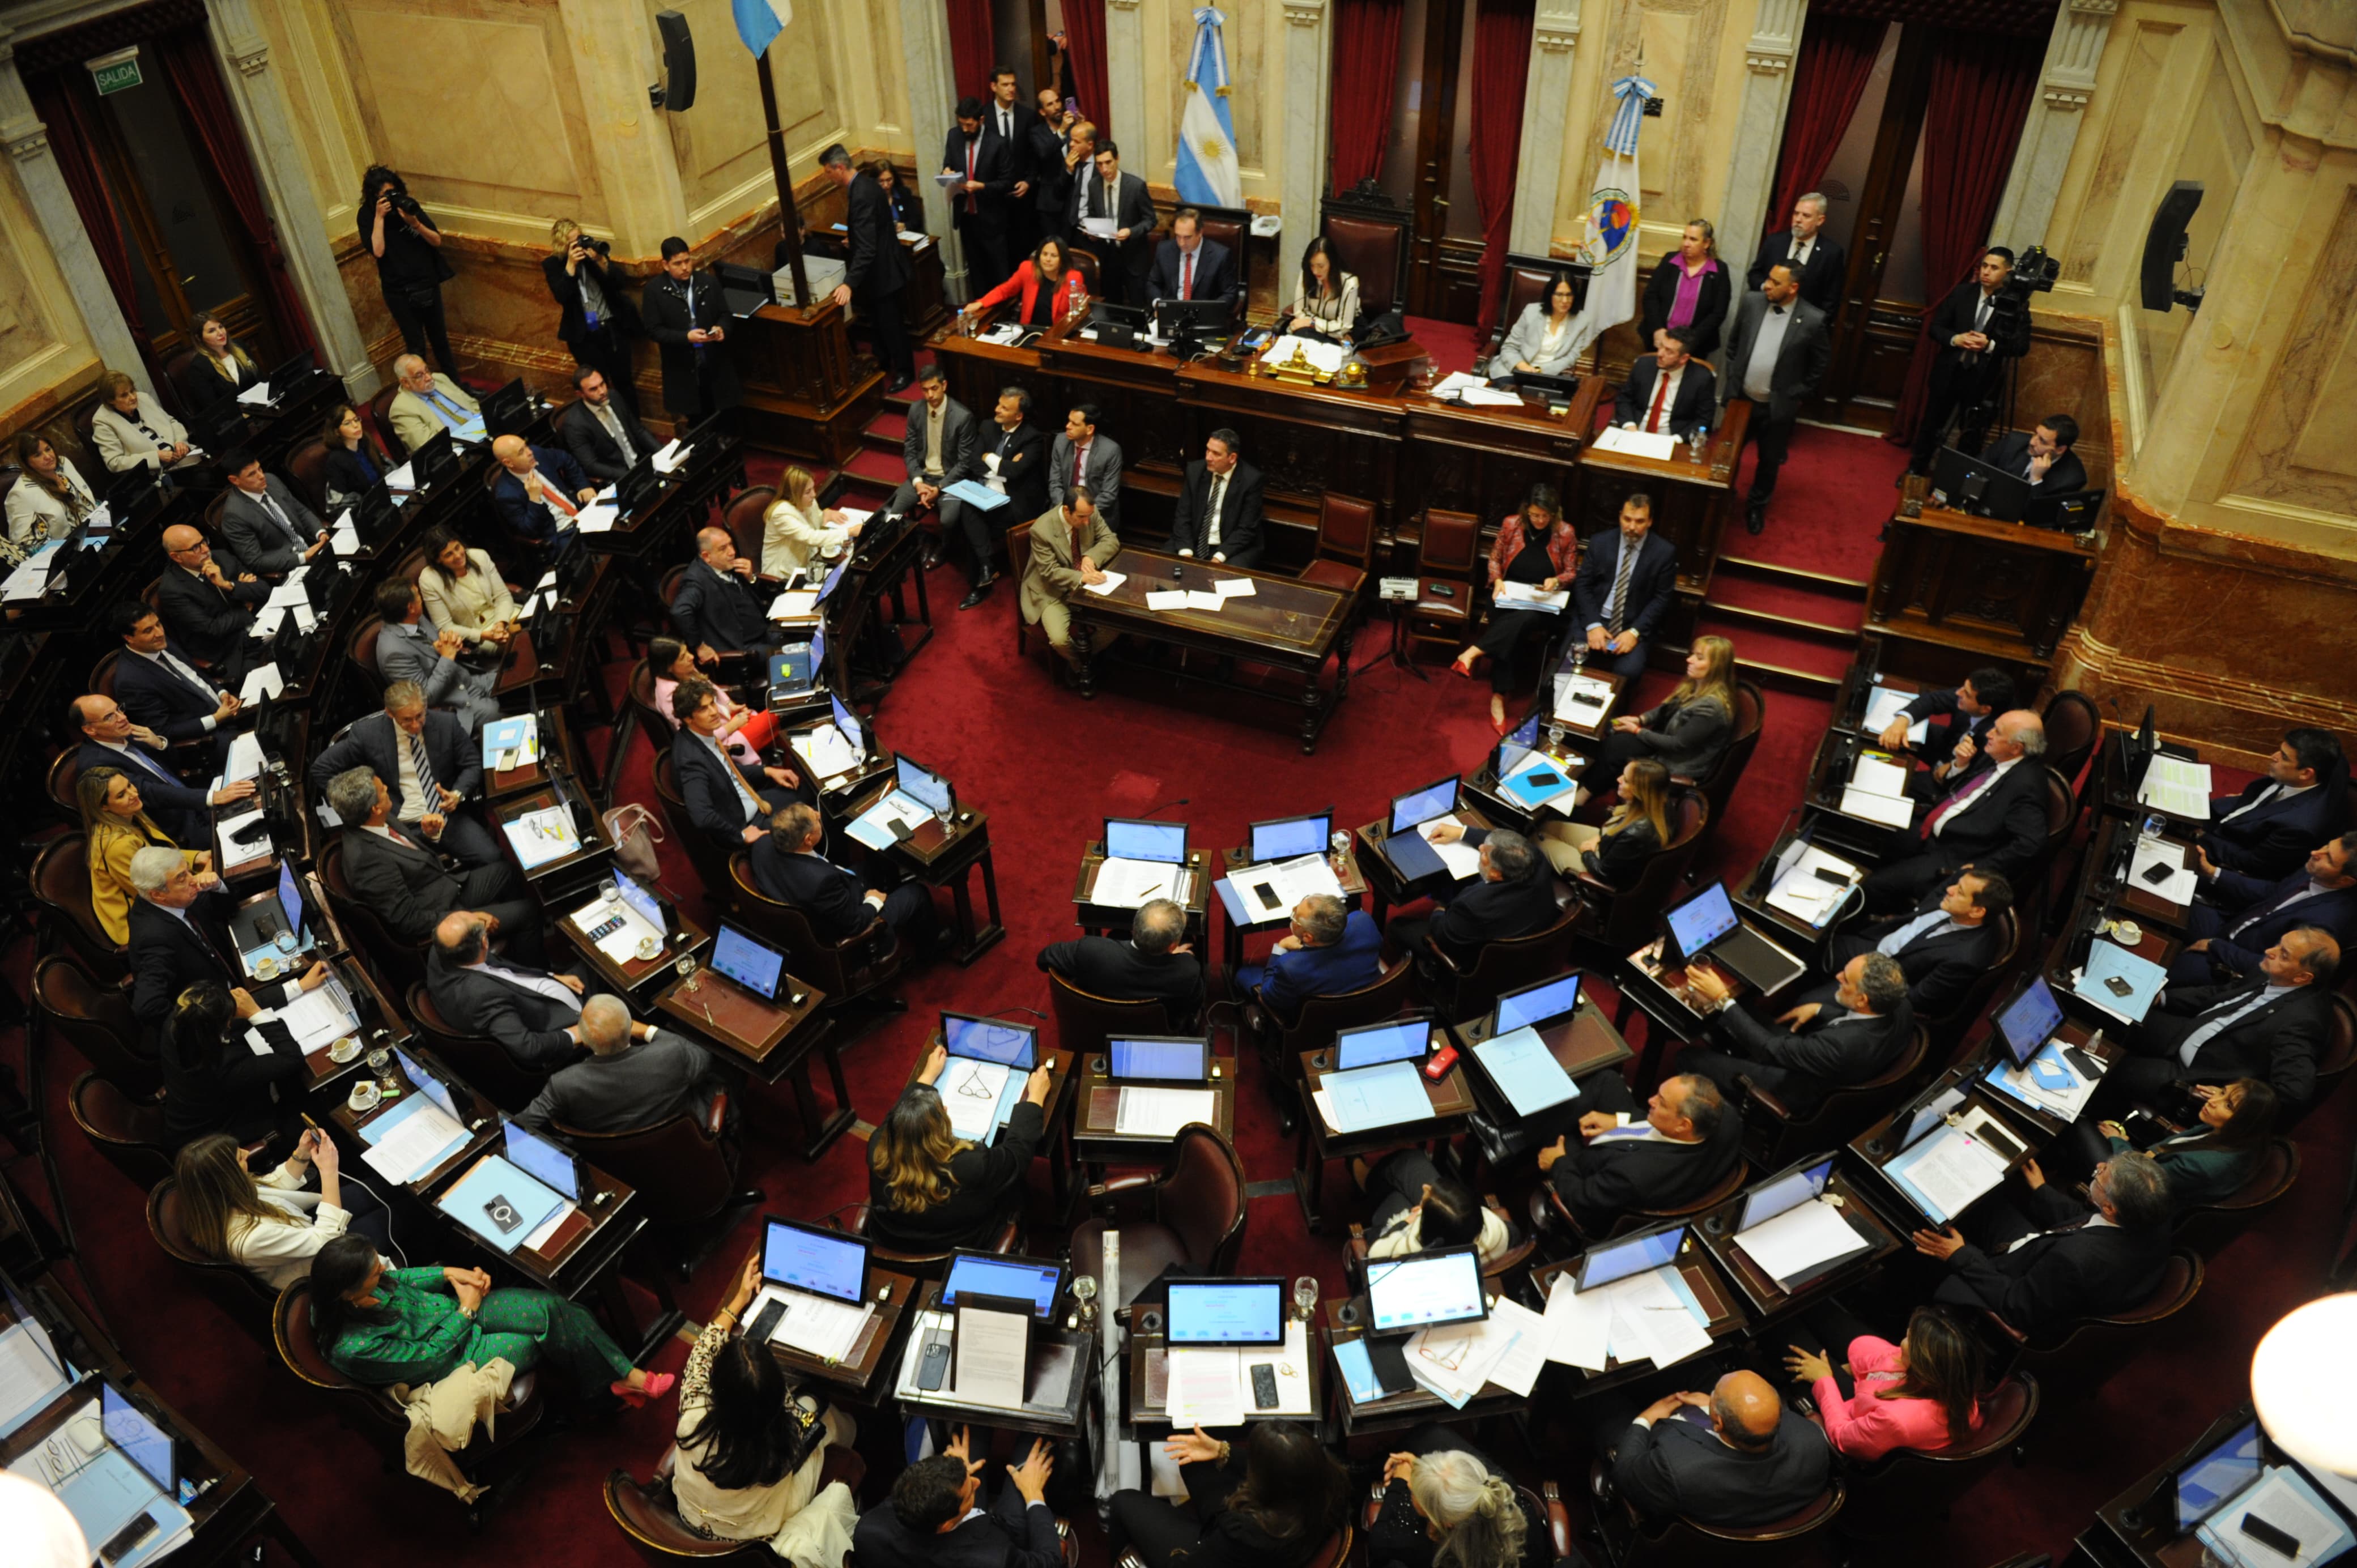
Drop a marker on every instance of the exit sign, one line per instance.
(115, 72)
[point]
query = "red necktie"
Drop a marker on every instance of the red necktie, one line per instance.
(556, 497)
(1661, 395)
(1187, 277)
(1080, 461)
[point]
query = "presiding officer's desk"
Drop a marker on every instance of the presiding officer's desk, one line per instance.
(1767, 1301)
(1949, 586)
(1316, 1144)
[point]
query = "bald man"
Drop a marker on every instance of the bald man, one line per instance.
(540, 494)
(207, 597)
(110, 739)
(718, 609)
(1731, 1458)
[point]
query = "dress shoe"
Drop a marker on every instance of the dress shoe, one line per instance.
(981, 591)
(900, 385)
(933, 558)
(1756, 520)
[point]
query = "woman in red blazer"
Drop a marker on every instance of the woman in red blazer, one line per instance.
(1052, 290)
(1537, 549)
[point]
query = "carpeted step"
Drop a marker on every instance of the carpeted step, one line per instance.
(1738, 563)
(877, 468)
(1801, 663)
(885, 432)
(1805, 609)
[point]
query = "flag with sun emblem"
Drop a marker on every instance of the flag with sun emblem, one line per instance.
(1207, 173)
(1609, 246)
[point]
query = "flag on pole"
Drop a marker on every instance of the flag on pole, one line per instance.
(1609, 245)
(758, 22)
(1206, 172)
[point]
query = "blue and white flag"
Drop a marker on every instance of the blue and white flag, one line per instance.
(1609, 245)
(758, 22)
(1207, 173)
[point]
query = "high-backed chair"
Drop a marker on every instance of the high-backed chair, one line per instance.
(380, 415)
(2082, 1355)
(852, 1219)
(1631, 1541)
(1619, 923)
(97, 1020)
(1085, 1021)
(306, 470)
(649, 1512)
(403, 962)
(2339, 1052)
(2058, 871)
(236, 1286)
(1281, 1044)
(130, 1132)
(1346, 543)
(481, 1061)
(685, 1174)
(743, 520)
(1899, 1494)
(61, 881)
(1750, 714)
(711, 862)
(863, 966)
(1461, 991)
(1191, 1213)
(1774, 1136)
(1448, 550)
(65, 768)
(1368, 234)
(2073, 729)
(1527, 280)
(362, 647)
(1947, 1029)
(2207, 1227)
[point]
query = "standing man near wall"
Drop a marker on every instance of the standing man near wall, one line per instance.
(685, 313)
(878, 275)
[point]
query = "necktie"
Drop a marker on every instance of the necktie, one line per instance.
(2308, 890)
(1187, 277)
(1949, 806)
(1661, 396)
(1080, 462)
(554, 498)
(605, 417)
(2220, 1018)
(971, 204)
(752, 803)
(1615, 608)
(1219, 497)
(1895, 942)
(425, 771)
(278, 515)
(1981, 313)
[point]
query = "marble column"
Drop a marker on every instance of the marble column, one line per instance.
(1743, 213)
(1145, 147)
(286, 190)
(614, 59)
(2067, 79)
(1308, 96)
(27, 143)
(1546, 98)
(933, 96)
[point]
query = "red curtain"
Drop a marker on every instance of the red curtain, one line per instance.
(1981, 88)
(1501, 64)
(70, 140)
(194, 75)
(1084, 31)
(1837, 55)
(971, 45)
(1366, 73)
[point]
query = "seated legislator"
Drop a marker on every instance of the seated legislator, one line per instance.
(935, 1518)
(406, 650)
(930, 1190)
(132, 434)
(1753, 1461)
(221, 368)
(744, 731)
(1545, 339)
(214, 1083)
(429, 762)
(1949, 942)
(1276, 1504)
(380, 1326)
(635, 1077)
(1326, 307)
(275, 1224)
(428, 403)
(1513, 896)
(2270, 1026)
(110, 740)
(2210, 1160)
(1847, 1044)
(159, 686)
(1328, 949)
(1188, 266)
(2244, 916)
(2268, 829)
(936, 452)
(1219, 500)
(718, 609)
(751, 1447)
(1687, 731)
(353, 463)
(796, 531)
(463, 592)
(208, 598)
(1684, 1143)
(603, 437)
(1626, 584)
(116, 828)
(1921, 1393)
(1157, 964)
(1049, 286)
(179, 939)
(728, 801)
(1420, 1207)
(1636, 829)
(1082, 459)
(534, 1014)
(402, 882)
(1072, 543)
(1950, 716)
(1535, 550)
(1670, 392)
(1012, 458)
(48, 501)
(269, 528)
(2048, 1268)
(2042, 456)
(541, 494)
(789, 866)
(1445, 1502)
(1990, 815)
(1689, 293)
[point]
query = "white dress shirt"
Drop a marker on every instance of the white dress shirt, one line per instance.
(1758, 375)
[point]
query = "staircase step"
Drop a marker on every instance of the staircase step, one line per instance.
(1778, 603)
(875, 468)
(1751, 568)
(1801, 664)
(886, 431)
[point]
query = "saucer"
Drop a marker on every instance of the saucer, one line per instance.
(364, 1098)
(650, 948)
(344, 1050)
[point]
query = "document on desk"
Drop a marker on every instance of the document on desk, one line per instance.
(1160, 1113)
(2049, 1083)
(511, 743)
(826, 753)
(319, 1017)
(244, 758)
(816, 1325)
(971, 1091)
(566, 1209)
(1883, 705)
(794, 604)
(1457, 381)
(1111, 580)
(31, 580)
(671, 456)
(2176, 786)
(1539, 779)
(1805, 1240)
(402, 478)
(1509, 1349)
(1800, 892)
(1579, 1327)
(1168, 598)
(1582, 700)
(1891, 811)
(2177, 887)
(289, 593)
(1526, 596)
(1637, 444)
(1879, 775)
(1655, 1318)
(539, 837)
(622, 943)
(345, 541)
(230, 828)
(1325, 357)
(1124, 884)
(260, 684)
(1947, 1173)
(498, 1203)
(1462, 859)
(597, 517)
(30, 1376)
(2282, 1497)
(1382, 1096)
(410, 1140)
(255, 396)
(1522, 1068)
(989, 1356)
(1235, 589)
(1198, 601)
(873, 827)
(1206, 1387)
(1303, 877)
(2140, 980)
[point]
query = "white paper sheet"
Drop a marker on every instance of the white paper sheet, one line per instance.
(228, 826)
(1526, 596)
(1878, 776)
(1664, 1327)
(970, 1091)
(1100, 228)
(793, 604)
(815, 1325)
(255, 396)
(1325, 357)
(1235, 589)
(244, 758)
(2178, 889)
(1637, 442)
(1952, 1170)
(1168, 599)
(321, 1016)
(1801, 892)
(1206, 1387)
(989, 1360)
(28, 1377)
(547, 1228)
(1111, 580)
(1579, 1327)
(1462, 859)
(1131, 884)
(1885, 704)
(1160, 1113)
(826, 752)
(402, 478)
(266, 682)
(410, 1148)
(1891, 811)
(596, 519)
(289, 593)
(2178, 787)
(1198, 601)
(1802, 1239)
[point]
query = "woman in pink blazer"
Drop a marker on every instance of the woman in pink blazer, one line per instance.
(1918, 1393)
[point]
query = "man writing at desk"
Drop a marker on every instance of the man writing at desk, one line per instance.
(1070, 547)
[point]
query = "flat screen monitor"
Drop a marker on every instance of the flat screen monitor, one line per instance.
(146, 1445)
(2212, 1479)
(546, 1162)
(1401, 1039)
(848, 726)
(818, 655)
(1972, 485)
(427, 1084)
(645, 901)
(832, 577)
(1173, 1059)
(1210, 318)
(758, 967)
(1928, 1115)
(824, 1263)
(1426, 1289)
(1420, 806)
(790, 668)
(1288, 837)
(991, 1040)
(1701, 921)
(1536, 1005)
(2028, 1021)
(1011, 1278)
(924, 785)
(1789, 1190)
(1125, 839)
(290, 903)
(1225, 1312)
(1617, 1260)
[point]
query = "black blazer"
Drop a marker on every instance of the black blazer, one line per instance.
(1618, 859)
(645, 1083)
(522, 516)
(1482, 912)
(2273, 838)
(594, 451)
(987, 1187)
(529, 1026)
(1104, 967)
(1939, 969)
(1956, 314)
(259, 540)
(2010, 452)
(663, 308)
(231, 1095)
(2279, 1043)
(207, 622)
(404, 884)
(2002, 827)
(877, 267)
(203, 386)
(1231, 1539)
(1695, 405)
(1835, 1050)
(158, 699)
(713, 803)
(1130, 207)
(342, 474)
(834, 899)
(1653, 583)
(1940, 739)
(2055, 1280)
(1022, 463)
(993, 165)
(572, 327)
(1678, 1467)
(908, 207)
(1603, 1180)
(1008, 1535)
(169, 954)
(722, 609)
(1820, 279)
(1710, 308)
(1215, 272)
(456, 757)
(1240, 510)
(1801, 359)
(2238, 898)
(1051, 182)
(1687, 737)
(183, 811)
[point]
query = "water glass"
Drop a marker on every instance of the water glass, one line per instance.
(1305, 1297)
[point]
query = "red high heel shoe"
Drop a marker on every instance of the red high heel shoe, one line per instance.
(658, 1385)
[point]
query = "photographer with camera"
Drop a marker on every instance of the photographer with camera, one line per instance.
(409, 268)
(1982, 323)
(596, 322)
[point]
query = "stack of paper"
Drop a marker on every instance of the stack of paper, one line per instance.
(244, 760)
(539, 837)
(817, 1326)
(1111, 580)
(260, 684)
(825, 752)
(1804, 1240)
(1290, 881)
(2176, 786)
(345, 541)
(511, 743)
(1582, 700)
(1462, 859)
(1876, 791)
(973, 1092)
(1637, 442)
(1160, 1113)
(597, 517)
(402, 478)
(1509, 1349)
(229, 828)
(30, 580)
(1799, 891)
(1947, 1171)
(1526, 596)
(1652, 1316)
(1211, 1386)
(2140, 979)
(2177, 887)
(672, 455)
(1539, 779)
(2049, 1083)
(30, 1376)
(873, 827)
(255, 396)
(105, 1492)
(794, 604)
(1884, 704)
(1520, 1064)
(1325, 357)
(410, 1140)
(1132, 884)
(1457, 381)
(2282, 1497)
(319, 1018)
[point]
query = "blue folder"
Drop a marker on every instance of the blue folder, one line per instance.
(2143, 979)
(493, 1179)
(1380, 1096)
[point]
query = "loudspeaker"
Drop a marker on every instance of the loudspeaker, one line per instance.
(679, 62)
(2164, 244)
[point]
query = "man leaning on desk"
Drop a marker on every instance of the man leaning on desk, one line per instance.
(1070, 547)
(2042, 458)
(2044, 1271)
(1684, 1146)
(1328, 949)
(789, 866)
(1851, 1044)
(2241, 916)
(935, 1517)
(1514, 896)
(1669, 392)
(1157, 964)
(2268, 829)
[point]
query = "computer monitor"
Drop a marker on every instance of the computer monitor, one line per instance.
(791, 670)
(143, 1442)
(1789, 1189)
(2073, 511)
(1420, 806)
(847, 725)
(833, 576)
(1205, 318)
(290, 902)
(1247, 1312)
(2216, 1476)
(644, 900)
(991, 1040)
(1126, 839)
(1927, 1116)
(427, 1084)
(1104, 313)
(1627, 1255)
(818, 655)
(1426, 1289)
(505, 411)
(807, 1258)
(1011, 1278)
(758, 967)
(1555, 388)
(924, 785)
(1173, 1059)
(1536, 1005)
(2028, 1021)
(292, 371)
(1698, 922)
(1288, 837)
(1401, 1039)
(1975, 486)
(553, 1166)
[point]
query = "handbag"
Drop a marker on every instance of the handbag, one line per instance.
(635, 835)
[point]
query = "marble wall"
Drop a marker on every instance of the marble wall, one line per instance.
(46, 357)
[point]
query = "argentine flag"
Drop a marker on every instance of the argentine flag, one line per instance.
(1611, 245)
(758, 22)
(1207, 173)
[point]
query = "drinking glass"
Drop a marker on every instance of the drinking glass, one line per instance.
(1305, 1297)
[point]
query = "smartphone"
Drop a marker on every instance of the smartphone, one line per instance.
(2156, 875)
(935, 1365)
(2268, 1535)
(2086, 1065)
(765, 1322)
(502, 1214)
(2117, 986)
(1264, 1383)
(121, 1543)
(1835, 877)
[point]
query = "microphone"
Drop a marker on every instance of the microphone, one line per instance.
(1165, 806)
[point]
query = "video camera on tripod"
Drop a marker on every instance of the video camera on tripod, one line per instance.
(2033, 272)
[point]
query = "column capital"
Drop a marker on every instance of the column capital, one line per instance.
(24, 140)
(250, 56)
(1305, 13)
(2064, 100)
(2095, 7)
(1555, 28)
(1766, 63)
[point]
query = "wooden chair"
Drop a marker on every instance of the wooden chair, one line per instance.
(685, 1174)
(1281, 1044)
(863, 967)
(1367, 234)
(130, 1132)
(2340, 1049)
(236, 1287)
(1908, 1489)
(65, 768)
(745, 519)
(2083, 1354)
(1346, 545)
(1750, 714)
(1448, 550)
(380, 415)
(1019, 555)
(1459, 993)
(61, 881)
(852, 1219)
(97, 1020)
(1774, 1137)
(1630, 1541)
(1551, 1214)
(1085, 1021)
(711, 862)
(403, 963)
(2208, 1226)
(1616, 924)
(2057, 872)
(648, 1513)
(1191, 1213)
(2073, 728)
(481, 1061)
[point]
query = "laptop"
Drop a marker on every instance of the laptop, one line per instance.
(143, 1442)
(427, 1084)
(813, 1290)
(1005, 1277)
(794, 674)
(1246, 1312)
(1425, 1290)
(1706, 924)
(2211, 1479)
(757, 966)
(1167, 1058)
(434, 461)
(989, 1060)
(847, 726)
(292, 373)
(546, 1161)
(1285, 838)
(1627, 1255)
(1787, 1189)
(271, 925)
(746, 289)
(1414, 855)
(1371, 1045)
(2028, 1021)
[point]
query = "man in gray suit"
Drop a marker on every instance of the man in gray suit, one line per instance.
(405, 885)
(636, 1076)
(533, 1014)
(937, 451)
(268, 528)
(405, 653)
(427, 762)
(1776, 356)
(1083, 460)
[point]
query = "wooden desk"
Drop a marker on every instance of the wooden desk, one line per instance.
(1583, 1044)
(553, 881)
(1693, 491)
(2036, 1122)
(2135, 898)
(2121, 783)
(380, 1025)
(654, 533)
(1770, 1302)
(1064, 1364)
(1231, 861)
(881, 568)
(924, 302)
(1711, 1293)
(557, 748)
(1997, 590)
(481, 1121)
(1749, 896)
(1146, 1388)
(2137, 1528)
(1872, 1148)
(1095, 1103)
(638, 980)
(770, 1040)
(806, 393)
(1060, 1067)
(1501, 809)
(1115, 918)
(1391, 885)
(1346, 1321)
(1452, 1103)
(1485, 460)
(864, 1377)
(944, 854)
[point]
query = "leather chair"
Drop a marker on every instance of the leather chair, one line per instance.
(306, 470)
(61, 880)
(1281, 1044)
(710, 861)
(2086, 1353)
(851, 1221)
(745, 519)
(234, 1284)
(1191, 1213)
(649, 1512)
(1346, 545)
(1527, 280)
(1751, 714)
(1948, 1029)
(1521, 1240)
(97, 1020)
(2208, 1226)
(1085, 1021)
(1774, 1137)
(2073, 729)
(1368, 234)
(685, 1174)
(2339, 1052)
(175, 373)
(130, 1132)
(481, 1061)
(1630, 1541)
(102, 675)
(380, 415)
(362, 647)
(2051, 886)
(1461, 992)
(1907, 1489)
(1551, 1214)
(65, 768)
(1616, 924)
(403, 962)
(863, 966)
(1018, 553)
(1448, 550)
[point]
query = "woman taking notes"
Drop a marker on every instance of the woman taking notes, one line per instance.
(1328, 306)
(930, 1190)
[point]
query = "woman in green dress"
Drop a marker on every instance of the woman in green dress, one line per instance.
(2212, 1159)
(380, 1326)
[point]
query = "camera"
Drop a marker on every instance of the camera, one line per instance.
(2033, 272)
(405, 203)
(602, 249)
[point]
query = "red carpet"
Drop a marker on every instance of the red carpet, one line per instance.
(1045, 767)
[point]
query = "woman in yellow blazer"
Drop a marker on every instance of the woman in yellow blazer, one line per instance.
(116, 828)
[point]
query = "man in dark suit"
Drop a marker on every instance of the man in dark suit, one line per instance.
(1971, 339)
(1753, 1461)
(1157, 962)
(271, 530)
(1110, 196)
(1990, 814)
(635, 1077)
(595, 320)
(535, 1015)
(1188, 266)
(1668, 392)
(790, 865)
(1776, 353)
(1011, 458)
(978, 203)
(110, 740)
(875, 277)
(2267, 830)
(406, 651)
(728, 803)
(406, 887)
(1951, 941)
(1008, 121)
(687, 318)
(541, 494)
(1949, 716)
(1681, 1146)
(2242, 917)
(2271, 1025)
(936, 451)
(1625, 585)
(1513, 895)
(177, 940)
(2044, 1281)
(935, 1517)
(430, 765)
(603, 437)
(718, 609)
(1848, 1045)
(1095, 459)
(1818, 256)
(1052, 135)
(208, 599)
(2042, 456)
(1330, 949)
(1218, 511)
(159, 685)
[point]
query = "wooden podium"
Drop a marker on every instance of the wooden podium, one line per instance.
(806, 392)
(1951, 591)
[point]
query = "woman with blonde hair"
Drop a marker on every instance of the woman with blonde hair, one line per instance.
(930, 1190)
(1447, 1506)
(595, 317)
(222, 369)
(273, 1224)
(130, 433)
(1636, 830)
(49, 499)
(795, 529)
(115, 826)
(1689, 289)
(1688, 730)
